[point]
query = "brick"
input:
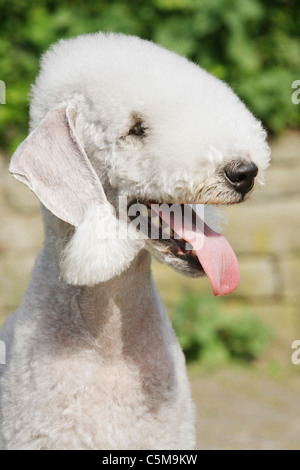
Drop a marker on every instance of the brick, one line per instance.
(172, 285)
(15, 271)
(257, 277)
(286, 148)
(284, 318)
(21, 198)
(257, 280)
(290, 267)
(17, 196)
(270, 228)
(20, 232)
(281, 182)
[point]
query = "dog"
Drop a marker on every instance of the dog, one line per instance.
(92, 359)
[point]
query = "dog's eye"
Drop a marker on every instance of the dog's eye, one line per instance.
(138, 130)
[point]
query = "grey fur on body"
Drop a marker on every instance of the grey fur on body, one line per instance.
(117, 338)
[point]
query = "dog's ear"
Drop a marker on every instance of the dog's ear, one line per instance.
(53, 164)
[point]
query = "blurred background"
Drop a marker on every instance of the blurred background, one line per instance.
(238, 348)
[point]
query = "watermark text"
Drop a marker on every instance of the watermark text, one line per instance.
(296, 94)
(183, 223)
(2, 353)
(296, 354)
(2, 92)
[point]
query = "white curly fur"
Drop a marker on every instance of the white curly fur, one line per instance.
(92, 360)
(100, 240)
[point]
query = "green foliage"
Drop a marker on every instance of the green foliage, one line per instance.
(214, 337)
(251, 44)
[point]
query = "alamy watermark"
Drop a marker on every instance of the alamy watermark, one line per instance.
(296, 95)
(296, 354)
(2, 353)
(2, 92)
(155, 221)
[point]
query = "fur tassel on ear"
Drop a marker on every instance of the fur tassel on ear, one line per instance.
(101, 248)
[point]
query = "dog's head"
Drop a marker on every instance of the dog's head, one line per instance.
(112, 117)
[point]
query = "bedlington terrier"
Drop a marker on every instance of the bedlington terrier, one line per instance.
(92, 360)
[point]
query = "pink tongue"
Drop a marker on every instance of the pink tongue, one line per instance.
(213, 251)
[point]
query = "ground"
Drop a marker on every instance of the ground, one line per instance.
(247, 408)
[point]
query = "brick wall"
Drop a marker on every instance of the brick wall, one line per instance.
(265, 234)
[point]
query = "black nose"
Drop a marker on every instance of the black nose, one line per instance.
(240, 174)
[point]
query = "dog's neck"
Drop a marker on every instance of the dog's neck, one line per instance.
(119, 316)
(118, 312)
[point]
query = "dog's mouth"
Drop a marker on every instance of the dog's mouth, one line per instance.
(181, 238)
(157, 229)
